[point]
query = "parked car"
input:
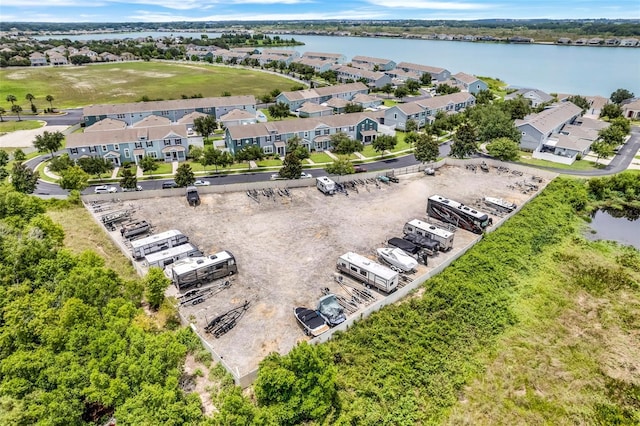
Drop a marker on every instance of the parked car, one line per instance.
(104, 189)
(202, 182)
(304, 175)
(169, 184)
(359, 169)
(137, 188)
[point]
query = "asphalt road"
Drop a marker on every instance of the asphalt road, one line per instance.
(67, 117)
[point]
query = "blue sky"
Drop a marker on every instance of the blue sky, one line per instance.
(247, 10)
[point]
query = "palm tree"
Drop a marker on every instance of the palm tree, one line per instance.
(30, 98)
(16, 109)
(2, 112)
(50, 99)
(11, 98)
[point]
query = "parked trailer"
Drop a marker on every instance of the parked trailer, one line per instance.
(443, 237)
(458, 214)
(195, 271)
(368, 272)
(166, 257)
(158, 242)
(326, 185)
(130, 230)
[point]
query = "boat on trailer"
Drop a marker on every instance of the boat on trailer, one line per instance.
(500, 203)
(397, 258)
(312, 323)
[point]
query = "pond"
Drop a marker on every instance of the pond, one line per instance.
(622, 226)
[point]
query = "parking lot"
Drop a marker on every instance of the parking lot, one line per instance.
(286, 247)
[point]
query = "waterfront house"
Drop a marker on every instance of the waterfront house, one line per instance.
(437, 73)
(535, 96)
(296, 98)
(318, 65)
(424, 110)
(372, 64)
(400, 76)
(373, 78)
(38, 59)
(537, 128)
(470, 83)
(174, 110)
(336, 58)
(629, 42)
(315, 133)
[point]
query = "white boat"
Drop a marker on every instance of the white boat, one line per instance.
(500, 203)
(397, 258)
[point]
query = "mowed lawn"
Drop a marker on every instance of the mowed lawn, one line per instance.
(76, 86)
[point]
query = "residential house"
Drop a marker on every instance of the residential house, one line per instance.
(400, 76)
(109, 57)
(563, 40)
(57, 59)
(470, 83)
(535, 96)
(312, 110)
(336, 58)
(169, 142)
(296, 98)
(372, 64)
(424, 110)
(199, 54)
(38, 59)
(174, 110)
(571, 141)
(398, 115)
(85, 51)
(128, 56)
(338, 104)
(537, 128)
(439, 74)
(367, 101)
(315, 133)
(629, 42)
(237, 117)
(318, 65)
(283, 53)
(596, 41)
(631, 109)
(228, 56)
(373, 78)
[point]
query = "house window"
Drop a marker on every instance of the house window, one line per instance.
(120, 116)
(267, 149)
(93, 149)
(352, 128)
(306, 134)
(395, 116)
(326, 131)
(126, 153)
(177, 142)
(268, 138)
(117, 147)
(104, 148)
(239, 143)
(138, 144)
(149, 144)
(153, 154)
(74, 151)
(317, 132)
(167, 142)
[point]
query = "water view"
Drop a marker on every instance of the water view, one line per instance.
(623, 227)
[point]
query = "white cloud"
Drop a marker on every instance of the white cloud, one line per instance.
(425, 4)
(145, 16)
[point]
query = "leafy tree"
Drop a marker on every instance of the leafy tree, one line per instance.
(580, 101)
(412, 86)
(343, 144)
(352, 107)
(195, 153)
(400, 92)
(30, 98)
(16, 109)
(387, 88)
(464, 141)
(74, 179)
(621, 95)
(148, 164)
(128, 180)
(427, 148)
(411, 125)
(383, 143)
(49, 142)
(611, 111)
(23, 178)
(79, 59)
(294, 146)
(425, 79)
(602, 149)
(504, 149)
(155, 284)
(291, 166)
(279, 110)
(4, 158)
(612, 135)
(215, 157)
(12, 99)
(445, 89)
(250, 153)
(205, 125)
(2, 112)
(95, 165)
(516, 108)
(340, 166)
(50, 99)
(623, 123)
(184, 175)
(492, 122)
(58, 164)
(484, 97)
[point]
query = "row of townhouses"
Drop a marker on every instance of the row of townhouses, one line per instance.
(423, 111)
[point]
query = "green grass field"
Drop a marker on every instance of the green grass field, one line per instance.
(12, 126)
(320, 157)
(525, 157)
(128, 82)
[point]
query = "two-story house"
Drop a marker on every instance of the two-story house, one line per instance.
(38, 59)
(423, 111)
(295, 99)
(373, 78)
(373, 64)
(336, 58)
(534, 96)
(437, 73)
(470, 83)
(537, 128)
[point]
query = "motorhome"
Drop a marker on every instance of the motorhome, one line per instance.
(166, 257)
(158, 242)
(368, 272)
(196, 271)
(443, 237)
(326, 185)
(458, 214)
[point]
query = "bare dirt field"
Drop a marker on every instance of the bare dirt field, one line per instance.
(287, 247)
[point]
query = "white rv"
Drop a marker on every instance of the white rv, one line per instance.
(326, 185)
(166, 257)
(368, 272)
(418, 227)
(158, 242)
(195, 271)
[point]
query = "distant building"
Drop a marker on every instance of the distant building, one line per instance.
(437, 73)
(535, 96)
(470, 83)
(295, 99)
(369, 63)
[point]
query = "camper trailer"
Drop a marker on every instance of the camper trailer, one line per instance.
(166, 257)
(158, 242)
(444, 238)
(134, 229)
(368, 272)
(326, 185)
(195, 271)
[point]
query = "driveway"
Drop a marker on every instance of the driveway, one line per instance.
(25, 138)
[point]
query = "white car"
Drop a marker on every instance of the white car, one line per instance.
(137, 188)
(304, 175)
(104, 189)
(201, 182)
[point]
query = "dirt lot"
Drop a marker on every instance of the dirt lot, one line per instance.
(287, 248)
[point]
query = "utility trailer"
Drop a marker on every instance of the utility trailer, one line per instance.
(133, 229)
(368, 272)
(158, 242)
(196, 271)
(444, 238)
(110, 219)
(166, 257)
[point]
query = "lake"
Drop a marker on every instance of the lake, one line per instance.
(555, 69)
(616, 226)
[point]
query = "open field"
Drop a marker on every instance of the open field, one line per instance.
(128, 82)
(286, 248)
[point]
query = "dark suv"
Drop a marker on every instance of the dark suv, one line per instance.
(169, 184)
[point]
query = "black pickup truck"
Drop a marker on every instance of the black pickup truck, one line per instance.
(192, 196)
